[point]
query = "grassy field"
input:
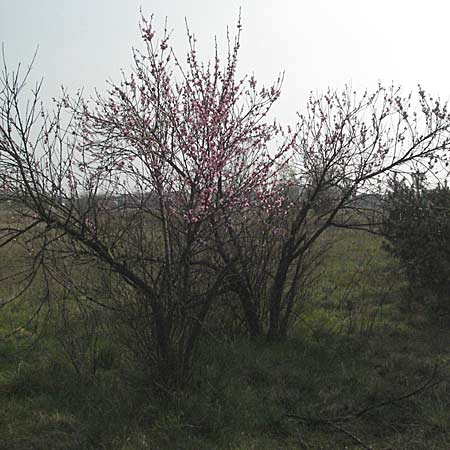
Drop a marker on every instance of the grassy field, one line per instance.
(364, 368)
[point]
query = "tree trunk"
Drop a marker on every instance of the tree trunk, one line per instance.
(252, 319)
(276, 292)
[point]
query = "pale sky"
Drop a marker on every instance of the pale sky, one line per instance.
(317, 43)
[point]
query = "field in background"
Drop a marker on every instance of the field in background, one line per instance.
(365, 368)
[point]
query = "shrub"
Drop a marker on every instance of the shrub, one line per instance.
(417, 228)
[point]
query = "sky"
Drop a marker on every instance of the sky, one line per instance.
(316, 43)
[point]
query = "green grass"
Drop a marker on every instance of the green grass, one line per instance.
(356, 345)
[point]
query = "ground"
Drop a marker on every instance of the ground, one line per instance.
(365, 367)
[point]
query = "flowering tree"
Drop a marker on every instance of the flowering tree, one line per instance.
(167, 194)
(133, 186)
(344, 148)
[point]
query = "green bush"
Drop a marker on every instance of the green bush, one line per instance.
(417, 228)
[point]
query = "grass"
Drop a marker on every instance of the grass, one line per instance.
(355, 346)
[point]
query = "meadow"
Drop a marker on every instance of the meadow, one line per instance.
(367, 366)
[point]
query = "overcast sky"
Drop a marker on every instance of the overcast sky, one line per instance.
(318, 43)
